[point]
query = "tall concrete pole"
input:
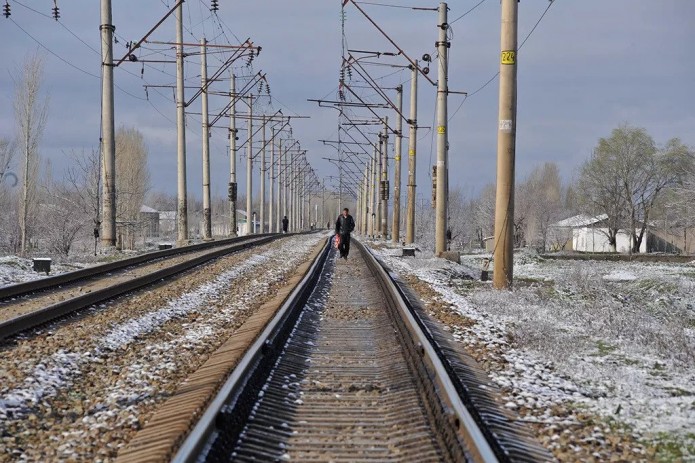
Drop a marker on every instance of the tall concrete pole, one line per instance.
(284, 184)
(271, 177)
(302, 202)
(384, 187)
(290, 215)
(503, 257)
(249, 171)
(182, 194)
(262, 199)
(278, 205)
(442, 199)
(373, 195)
(412, 150)
(365, 200)
(377, 186)
(108, 132)
(396, 227)
(232, 159)
(323, 202)
(358, 208)
(207, 216)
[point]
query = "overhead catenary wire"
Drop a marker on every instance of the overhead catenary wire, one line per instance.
(550, 3)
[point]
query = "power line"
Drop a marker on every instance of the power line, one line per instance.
(469, 11)
(52, 52)
(498, 73)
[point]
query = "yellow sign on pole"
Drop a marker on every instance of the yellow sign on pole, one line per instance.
(509, 57)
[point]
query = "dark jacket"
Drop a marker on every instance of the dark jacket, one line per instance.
(344, 225)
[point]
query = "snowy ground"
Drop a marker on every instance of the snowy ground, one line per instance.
(15, 269)
(613, 339)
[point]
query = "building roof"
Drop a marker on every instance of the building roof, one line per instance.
(148, 209)
(581, 220)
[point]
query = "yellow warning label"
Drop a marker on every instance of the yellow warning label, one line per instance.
(397, 158)
(508, 57)
(411, 152)
(441, 129)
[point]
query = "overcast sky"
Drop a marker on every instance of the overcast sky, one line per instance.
(590, 66)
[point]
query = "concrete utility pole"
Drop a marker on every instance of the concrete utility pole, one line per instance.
(372, 195)
(442, 199)
(384, 186)
(284, 184)
(503, 273)
(292, 223)
(182, 206)
(379, 164)
(365, 200)
(232, 158)
(108, 215)
(207, 216)
(396, 227)
(278, 212)
(249, 171)
(262, 201)
(271, 196)
(412, 150)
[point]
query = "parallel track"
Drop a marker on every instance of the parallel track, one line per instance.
(350, 370)
(53, 311)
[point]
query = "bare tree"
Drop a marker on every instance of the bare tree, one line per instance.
(543, 203)
(625, 176)
(31, 111)
(601, 191)
(132, 181)
(484, 214)
(64, 213)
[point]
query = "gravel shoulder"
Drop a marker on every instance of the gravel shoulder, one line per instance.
(598, 357)
(81, 388)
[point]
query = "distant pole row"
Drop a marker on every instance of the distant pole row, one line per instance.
(288, 170)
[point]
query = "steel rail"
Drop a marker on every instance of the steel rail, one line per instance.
(466, 426)
(272, 338)
(451, 410)
(28, 287)
(31, 320)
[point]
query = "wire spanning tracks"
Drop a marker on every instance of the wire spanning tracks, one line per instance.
(47, 299)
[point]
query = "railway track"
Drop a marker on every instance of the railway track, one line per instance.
(31, 304)
(349, 368)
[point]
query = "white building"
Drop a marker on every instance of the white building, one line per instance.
(590, 234)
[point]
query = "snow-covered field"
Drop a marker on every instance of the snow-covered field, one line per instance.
(15, 269)
(612, 339)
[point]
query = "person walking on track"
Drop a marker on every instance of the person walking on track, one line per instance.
(343, 227)
(285, 223)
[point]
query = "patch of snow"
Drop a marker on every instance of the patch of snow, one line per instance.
(606, 336)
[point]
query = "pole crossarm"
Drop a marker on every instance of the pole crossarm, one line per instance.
(238, 54)
(369, 108)
(132, 48)
(248, 86)
(412, 62)
(362, 72)
(348, 104)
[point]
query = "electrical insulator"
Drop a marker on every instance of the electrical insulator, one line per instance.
(214, 5)
(56, 11)
(6, 10)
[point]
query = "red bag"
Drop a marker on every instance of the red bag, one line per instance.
(337, 241)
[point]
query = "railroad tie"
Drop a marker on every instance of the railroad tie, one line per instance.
(169, 425)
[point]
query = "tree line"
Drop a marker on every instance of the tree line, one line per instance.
(628, 177)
